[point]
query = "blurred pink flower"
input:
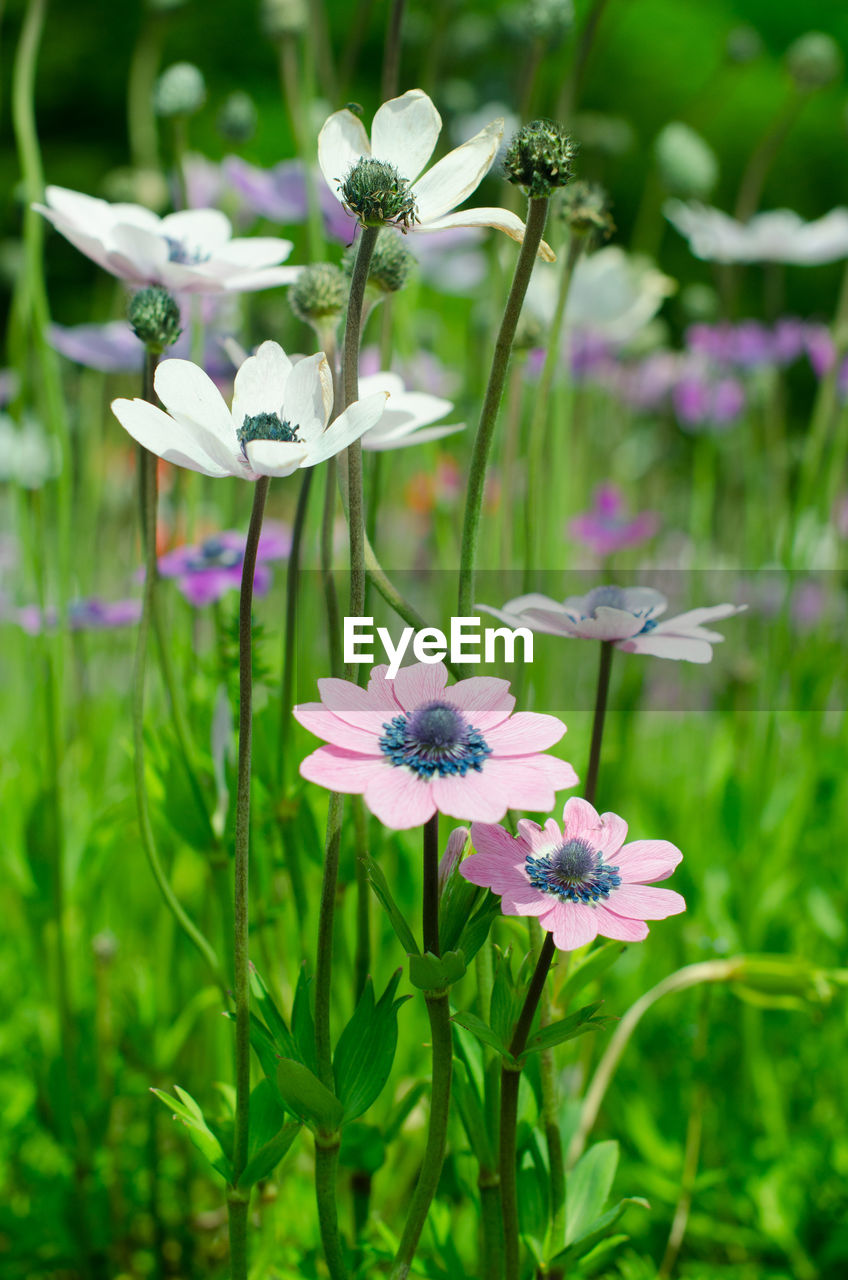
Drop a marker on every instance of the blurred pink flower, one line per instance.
(608, 527)
(580, 881)
(205, 572)
(414, 747)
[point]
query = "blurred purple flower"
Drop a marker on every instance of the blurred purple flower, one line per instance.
(279, 194)
(703, 403)
(608, 527)
(820, 348)
(205, 572)
(92, 614)
(114, 348)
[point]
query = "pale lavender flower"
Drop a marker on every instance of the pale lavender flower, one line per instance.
(703, 402)
(608, 527)
(91, 614)
(205, 572)
(279, 194)
(114, 348)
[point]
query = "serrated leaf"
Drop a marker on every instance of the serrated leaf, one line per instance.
(306, 1097)
(186, 1110)
(483, 1032)
(576, 1024)
(380, 885)
(436, 973)
(366, 1048)
(268, 1156)
(587, 1187)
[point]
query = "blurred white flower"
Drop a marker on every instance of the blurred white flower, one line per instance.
(28, 456)
(277, 424)
(192, 251)
(777, 236)
(404, 134)
(407, 412)
(612, 293)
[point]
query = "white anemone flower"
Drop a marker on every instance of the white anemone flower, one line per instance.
(629, 617)
(404, 134)
(612, 293)
(779, 235)
(192, 251)
(408, 414)
(278, 420)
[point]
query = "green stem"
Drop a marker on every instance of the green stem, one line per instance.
(331, 596)
(141, 118)
(542, 407)
(324, 953)
(824, 409)
(289, 641)
(362, 957)
(148, 503)
(536, 216)
(430, 896)
(326, 1173)
(764, 155)
(391, 53)
(238, 1208)
(295, 98)
(601, 694)
(242, 836)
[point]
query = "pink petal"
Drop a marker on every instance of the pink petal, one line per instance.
(477, 797)
(540, 839)
(381, 690)
(484, 700)
(645, 860)
(502, 878)
(523, 733)
(353, 705)
(581, 820)
(527, 782)
(495, 842)
(315, 717)
(420, 683)
(341, 770)
(611, 836)
(400, 798)
(612, 926)
(572, 923)
(644, 902)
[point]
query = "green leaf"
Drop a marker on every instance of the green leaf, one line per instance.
(366, 1048)
(595, 964)
(306, 1097)
(477, 929)
(576, 1024)
(363, 1148)
(483, 1032)
(267, 1115)
(303, 1023)
(596, 1232)
(472, 1115)
(380, 885)
(263, 1003)
(435, 973)
(587, 1188)
(269, 1155)
(185, 1109)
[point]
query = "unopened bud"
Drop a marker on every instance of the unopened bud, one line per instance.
(539, 158)
(179, 91)
(452, 856)
(391, 262)
(237, 117)
(585, 208)
(688, 166)
(319, 295)
(376, 193)
(284, 17)
(155, 318)
(814, 61)
(744, 44)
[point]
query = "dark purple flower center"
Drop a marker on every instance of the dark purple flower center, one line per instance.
(573, 872)
(267, 426)
(434, 739)
(214, 554)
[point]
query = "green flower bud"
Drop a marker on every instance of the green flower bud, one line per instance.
(548, 20)
(179, 91)
(814, 61)
(376, 193)
(744, 44)
(237, 117)
(699, 302)
(529, 334)
(319, 295)
(155, 318)
(284, 17)
(391, 263)
(585, 208)
(688, 166)
(539, 158)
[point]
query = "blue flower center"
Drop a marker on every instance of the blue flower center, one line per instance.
(575, 872)
(214, 554)
(267, 426)
(179, 251)
(434, 739)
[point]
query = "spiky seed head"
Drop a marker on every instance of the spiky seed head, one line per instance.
(539, 158)
(377, 195)
(155, 318)
(179, 91)
(391, 262)
(319, 294)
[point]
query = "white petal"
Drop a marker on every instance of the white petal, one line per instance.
(501, 219)
(93, 246)
(96, 216)
(348, 426)
(138, 249)
(461, 171)
(405, 132)
(275, 457)
(382, 381)
(261, 251)
(261, 383)
(191, 397)
(166, 438)
(341, 142)
(303, 404)
(240, 282)
(202, 228)
(374, 441)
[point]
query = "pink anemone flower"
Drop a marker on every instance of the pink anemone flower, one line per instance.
(580, 881)
(414, 746)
